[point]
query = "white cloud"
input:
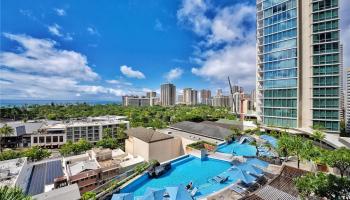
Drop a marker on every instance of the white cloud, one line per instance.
(222, 28)
(60, 12)
(238, 62)
(129, 72)
(227, 45)
(41, 71)
(93, 31)
(55, 30)
(41, 56)
(192, 13)
(118, 82)
(158, 26)
(174, 74)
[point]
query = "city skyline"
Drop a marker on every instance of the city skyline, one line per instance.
(188, 43)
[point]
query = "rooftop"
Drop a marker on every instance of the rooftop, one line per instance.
(147, 135)
(70, 192)
(202, 129)
(10, 169)
(21, 128)
(81, 166)
(281, 187)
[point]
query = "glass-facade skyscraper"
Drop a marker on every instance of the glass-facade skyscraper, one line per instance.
(298, 79)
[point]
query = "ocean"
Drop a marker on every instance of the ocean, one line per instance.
(17, 102)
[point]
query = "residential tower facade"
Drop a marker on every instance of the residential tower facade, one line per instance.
(298, 64)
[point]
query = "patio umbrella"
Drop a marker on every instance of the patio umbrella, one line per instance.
(257, 162)
(252, 169)
(123, 196)
(242, 175)
(178, 193)
(153, 194)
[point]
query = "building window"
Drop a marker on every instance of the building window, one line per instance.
(55, 138)
(48, 139)
(61, 138)
(41, 139)
(35, 140)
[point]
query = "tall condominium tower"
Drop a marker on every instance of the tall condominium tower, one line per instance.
(347, 117)
(167, 94)
(190, 96)
(298, 77)
(205, 96)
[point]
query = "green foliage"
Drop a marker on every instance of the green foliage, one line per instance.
(289, 145)
(89, 196)
(5, 131)
(323, 186)
(343, 129)
(318, 134)
(111, 143)
(200, 145)
(33, 154)
(107, 133)
(340, 159)
(37, 153)
(75, 148)
(155, 116)
(12, 193)
(10, 154)
(141, 167)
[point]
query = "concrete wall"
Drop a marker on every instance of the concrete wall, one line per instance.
(161, 150)
(137, 147)
(165, 150)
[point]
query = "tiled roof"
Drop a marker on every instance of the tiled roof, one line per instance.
(281, 187)
(202, 129)
(147, 135)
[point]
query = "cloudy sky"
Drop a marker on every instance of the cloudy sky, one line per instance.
(104, 49)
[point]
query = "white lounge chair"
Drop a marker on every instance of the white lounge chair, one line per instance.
(194, 191)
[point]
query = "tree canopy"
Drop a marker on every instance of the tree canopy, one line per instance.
(155, 116)
(323, 185)
(15, 193)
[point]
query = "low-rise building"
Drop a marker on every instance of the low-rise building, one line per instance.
(70, 192)
(95, 168)
(15, 172)
(152, 145)
(90, 129)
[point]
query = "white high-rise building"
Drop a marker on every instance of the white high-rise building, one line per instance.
(347, 117)
(167, 94)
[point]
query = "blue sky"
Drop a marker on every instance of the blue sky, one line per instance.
(105, 49)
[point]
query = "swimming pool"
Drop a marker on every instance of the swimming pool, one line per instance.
(270, 139)
(183, 171)
(237, 149)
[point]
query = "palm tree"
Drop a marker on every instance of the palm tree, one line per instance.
(5, 131)
(12, 193)
(319, 135)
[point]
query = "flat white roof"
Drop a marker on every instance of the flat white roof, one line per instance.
(70, 192)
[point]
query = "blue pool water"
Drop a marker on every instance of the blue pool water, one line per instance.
(237, 149)
(182, 172)
(270, 139)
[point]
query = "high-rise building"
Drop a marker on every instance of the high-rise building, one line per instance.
(180, 99)
(151, 94)
(167, 94)
(253, 100)
(205, 96)
(190, 96)
(187, 92)
(298, 76)
(194, 97)
(347, 117)
(342, 96)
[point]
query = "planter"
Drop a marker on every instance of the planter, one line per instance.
(322, 168)
(209, 147)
